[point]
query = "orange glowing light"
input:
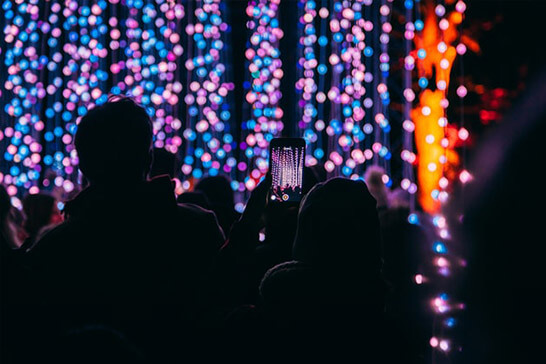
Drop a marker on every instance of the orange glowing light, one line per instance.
(435, 141)
(431, 153)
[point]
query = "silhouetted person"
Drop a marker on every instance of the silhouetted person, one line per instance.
(340, 210)
(220, 197)
(127, 254)
(332, 295)
(261, 239)
(290, 293)
(164, 162)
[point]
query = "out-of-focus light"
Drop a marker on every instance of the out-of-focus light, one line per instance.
(413, 219)
(450, 322)
(463, 134)
(465, 176)
(444, 345)
(439, 247)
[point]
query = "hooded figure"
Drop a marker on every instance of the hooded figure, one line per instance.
(127, 255)
(338, 234)
(330, 299)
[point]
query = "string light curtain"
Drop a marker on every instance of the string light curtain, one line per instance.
(262, 113)
(336, 79)
(208, 122)
(61, 58)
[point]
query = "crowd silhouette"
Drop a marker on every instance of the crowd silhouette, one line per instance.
(131, 273)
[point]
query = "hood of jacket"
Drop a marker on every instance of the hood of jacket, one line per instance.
(338, 228)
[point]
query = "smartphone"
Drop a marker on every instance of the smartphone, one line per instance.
(286, 161)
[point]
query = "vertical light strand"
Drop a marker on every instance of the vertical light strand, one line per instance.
(442, 79)
(463, 134)
(355, 89)
(407, 155)
(145, 51)
(84, 34)
(337, 127)
(314, 79)
(308, 70)
(263, 114)
(147, 67)
(319, 148)
(334, 126)
(209, 142)
(322, 70)
(445, 260)
(382, 144)
(20, 122)
(437, 159)
(367, 157)
(346, 112)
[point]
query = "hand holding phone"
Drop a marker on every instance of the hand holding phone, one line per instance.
(286, 161)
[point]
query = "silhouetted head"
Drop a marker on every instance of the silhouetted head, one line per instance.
(40, 210)
(114, 142)
(290, 291)
(218, 191)
(338, 228)
(163, 163)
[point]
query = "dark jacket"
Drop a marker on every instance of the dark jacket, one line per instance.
(133, 259)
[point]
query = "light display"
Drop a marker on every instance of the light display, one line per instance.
(59, 58)
(173, 60)
(64, 57)
(381, 116)
(436, 139)
(262, 97)
(311, 102)
(335, 85)
(209, 142)
(407, 155)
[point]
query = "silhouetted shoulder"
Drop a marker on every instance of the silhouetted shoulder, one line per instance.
(57, 239)
(201, 221)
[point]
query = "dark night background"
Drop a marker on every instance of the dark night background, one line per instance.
(511, 36)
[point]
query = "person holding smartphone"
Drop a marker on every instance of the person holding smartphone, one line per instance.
(264, 235)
